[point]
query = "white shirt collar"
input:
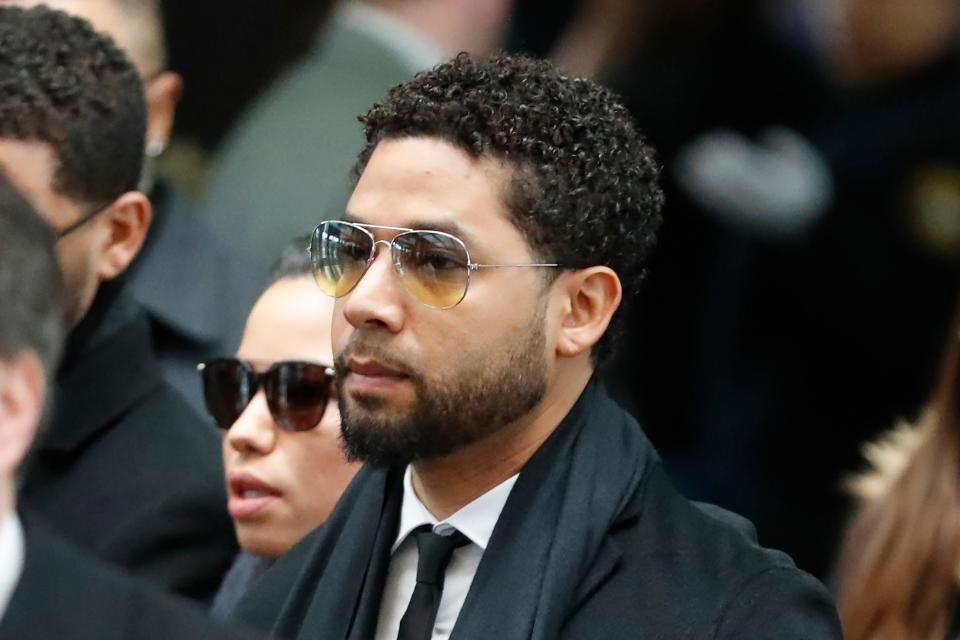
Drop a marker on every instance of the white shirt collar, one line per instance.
(476, 520)
(11, 558)
(414, 46)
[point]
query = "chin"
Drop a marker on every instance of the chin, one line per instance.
(381, 406)
(263, 543)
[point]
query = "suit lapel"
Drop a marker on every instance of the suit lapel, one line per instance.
(607, 562)
(343, 598)
(368, 608)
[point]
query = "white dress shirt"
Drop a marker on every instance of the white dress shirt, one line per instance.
(11, 558)
(476, 521)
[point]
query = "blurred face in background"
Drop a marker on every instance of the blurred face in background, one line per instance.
(282, 484)
(22, 387)
(882, 40)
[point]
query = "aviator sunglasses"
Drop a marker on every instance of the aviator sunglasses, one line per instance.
(297, 392)
(434, 266)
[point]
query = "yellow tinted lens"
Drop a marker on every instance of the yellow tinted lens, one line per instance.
(432, 266)
(339, 253)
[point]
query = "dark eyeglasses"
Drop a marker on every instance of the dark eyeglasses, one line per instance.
(433, 266)
(297, 392)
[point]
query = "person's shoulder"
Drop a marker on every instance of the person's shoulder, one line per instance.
(706, 567)
(172, 422)
(65, 593)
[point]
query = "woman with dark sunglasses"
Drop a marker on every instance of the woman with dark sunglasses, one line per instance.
(276, 403)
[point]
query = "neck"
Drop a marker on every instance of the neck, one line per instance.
(445, 485)
(7, 498)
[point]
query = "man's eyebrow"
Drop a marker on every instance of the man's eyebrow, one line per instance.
(444, 226)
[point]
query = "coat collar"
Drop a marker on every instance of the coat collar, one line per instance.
(108, 369)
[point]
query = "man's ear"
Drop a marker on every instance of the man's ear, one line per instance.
(591, 296)
(22, 386)
(163, 93)
(127, 221)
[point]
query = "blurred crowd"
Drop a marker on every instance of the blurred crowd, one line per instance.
(802, 303)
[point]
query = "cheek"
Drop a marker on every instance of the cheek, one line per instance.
(340, 329)
(471, 332)
(314, 456)
(78, 269)
(330, 424)
(319, 473)
(226, 450)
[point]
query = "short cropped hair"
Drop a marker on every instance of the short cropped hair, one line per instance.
(32, 317)
(585, 187)
(63, 84)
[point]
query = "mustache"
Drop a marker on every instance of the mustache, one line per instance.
(363, 348)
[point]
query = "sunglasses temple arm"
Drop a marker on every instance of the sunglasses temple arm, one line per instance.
(510, 266)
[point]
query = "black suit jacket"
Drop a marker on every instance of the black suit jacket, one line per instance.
(64, 595)
(675, 569)
(664, 568)
(127, 470)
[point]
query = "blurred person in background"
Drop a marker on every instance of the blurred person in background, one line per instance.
(48, 588)
(899, 569)
(810, 248)
(127, 470)
(188, 323)
(289, 159)
(602, 35)
(281, 446)
(225, 73)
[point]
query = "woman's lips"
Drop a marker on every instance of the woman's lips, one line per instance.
(249, 495)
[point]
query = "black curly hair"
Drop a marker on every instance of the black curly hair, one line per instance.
(585, 189)
(63, 84)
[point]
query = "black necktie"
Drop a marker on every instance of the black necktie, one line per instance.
(435, 553)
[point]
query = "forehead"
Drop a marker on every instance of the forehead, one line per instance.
(290, 321)
(30, 166)
(424, 182)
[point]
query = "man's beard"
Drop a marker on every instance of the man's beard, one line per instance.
(478, 399)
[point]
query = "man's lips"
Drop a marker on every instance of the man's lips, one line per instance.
(371, 376)
(372, 368)
(249, 495)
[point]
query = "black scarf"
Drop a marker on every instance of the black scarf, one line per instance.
(533, 572)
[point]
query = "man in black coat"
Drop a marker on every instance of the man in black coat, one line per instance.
(206, 319)
(48, 589)
(502, 215)
(126, 470)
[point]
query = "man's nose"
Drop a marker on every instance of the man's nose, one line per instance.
(377, 301)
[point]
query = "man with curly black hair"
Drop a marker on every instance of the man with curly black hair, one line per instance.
(502, 214)
(126, 469)
(205, 321)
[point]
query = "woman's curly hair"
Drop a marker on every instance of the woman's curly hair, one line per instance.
(585, 188)
(65, 85)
